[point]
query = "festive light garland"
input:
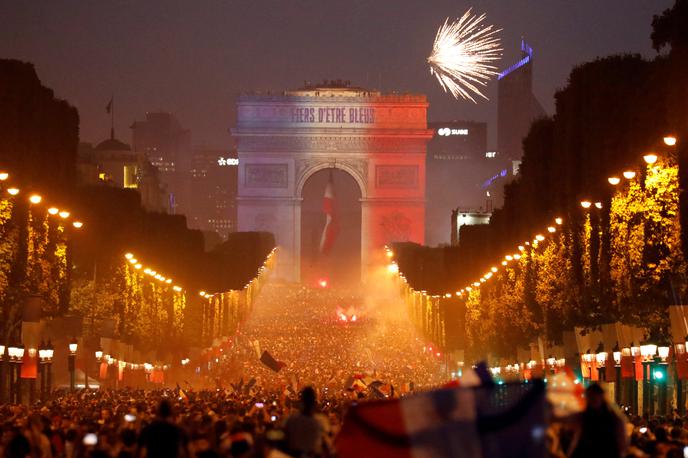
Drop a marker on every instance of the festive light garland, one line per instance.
(36, 199)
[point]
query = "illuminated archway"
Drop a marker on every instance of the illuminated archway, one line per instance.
(342, 265)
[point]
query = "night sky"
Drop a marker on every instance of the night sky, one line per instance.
(193, 57)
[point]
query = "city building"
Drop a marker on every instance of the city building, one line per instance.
(370, 146)
(461, 218)
(213, 178)
(517, 106)
(113, 163)
(168, 148)
(460, 172)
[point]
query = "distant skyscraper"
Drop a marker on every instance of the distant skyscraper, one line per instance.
(213, 179)
(168, 147)
(459, 172)
(517, 105)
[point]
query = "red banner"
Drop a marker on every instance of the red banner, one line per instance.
(29, 367)
(682, 366)
(627, 369)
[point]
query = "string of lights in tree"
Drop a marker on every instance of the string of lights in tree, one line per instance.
(261, 271)
(649, 158)
(36, 199)
(131, 259)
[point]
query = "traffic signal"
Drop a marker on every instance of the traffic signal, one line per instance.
(659, 373)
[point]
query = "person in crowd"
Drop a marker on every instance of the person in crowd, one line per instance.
(162, 438)
(601, 430)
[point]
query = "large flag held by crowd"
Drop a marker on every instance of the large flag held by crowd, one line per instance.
(480, 421)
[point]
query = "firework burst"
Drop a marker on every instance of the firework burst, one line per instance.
(463, 55)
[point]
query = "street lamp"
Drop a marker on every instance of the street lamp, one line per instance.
(3, 399)
(629, 174)
(16, 354)
(49, 353)
(650, 158)
(614, 180)
(670, 140)
(72, 363)
(585, 203)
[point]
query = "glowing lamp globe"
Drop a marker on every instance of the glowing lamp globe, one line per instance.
(670, 140)
(614, 180)
(650, 158)
(35, 199)
(4, 176)
(53, 211)
(629, 174)
(586, 204)
(12, 191)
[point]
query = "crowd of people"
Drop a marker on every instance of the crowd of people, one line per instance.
(328, 361)
(348, 346)
(330, 338)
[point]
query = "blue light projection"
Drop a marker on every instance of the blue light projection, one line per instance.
(527, 51)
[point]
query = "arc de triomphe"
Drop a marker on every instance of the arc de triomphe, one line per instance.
(380, 140)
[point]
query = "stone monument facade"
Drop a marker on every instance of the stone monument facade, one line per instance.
(378, 139)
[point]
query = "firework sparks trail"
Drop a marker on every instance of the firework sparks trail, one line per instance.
(463, 55)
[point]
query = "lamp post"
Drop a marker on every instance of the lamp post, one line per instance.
(616, 354)
(3, 377)
(680, 355)
(16, 354)
(588, 360)
(648, 352)
(72, 363)
(661, 375)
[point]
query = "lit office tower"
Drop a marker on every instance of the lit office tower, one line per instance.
(213, 176)
(517, 105)
(167, 146)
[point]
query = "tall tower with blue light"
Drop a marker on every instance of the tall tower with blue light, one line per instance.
(517, 105)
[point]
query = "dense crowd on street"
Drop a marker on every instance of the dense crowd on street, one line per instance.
(242, 408)
(327, 337)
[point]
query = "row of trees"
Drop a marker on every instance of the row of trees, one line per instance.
(625, 262)
(622, 263)
(34, 262)
(85, 275)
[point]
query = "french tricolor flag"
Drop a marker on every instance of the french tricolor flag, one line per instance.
(331, 228)
(484, 421)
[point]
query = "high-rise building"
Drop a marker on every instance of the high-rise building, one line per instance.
(459, 169)
(517, 105)
(213, 178)
(168, 148)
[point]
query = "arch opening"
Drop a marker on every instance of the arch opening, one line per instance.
(338, 262)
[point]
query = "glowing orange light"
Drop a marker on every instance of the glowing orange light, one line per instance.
(551, 229)
(614, 180)
(322, 282)
(129, 256)
(586, 204)
(4, 176)
(598, 205)
(629, 174)
(35, 199)
(53, 211)
(64, 214)
(650, 158)
(78, 224)
(12, 191)
(670, 140)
